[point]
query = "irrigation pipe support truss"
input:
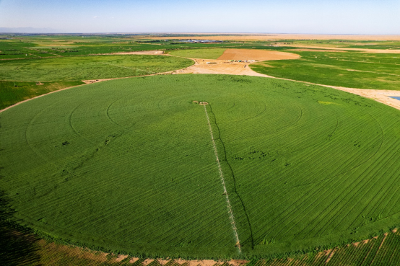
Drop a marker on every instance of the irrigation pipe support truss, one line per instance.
(228, 203)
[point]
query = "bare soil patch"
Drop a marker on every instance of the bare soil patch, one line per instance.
(70, 252)
(121, 258)
(331, 253)
(199, 262)
(382, 96)
(259, 55)
(147, 261)
(235, 62)
(133, 260)
(90, 81)
(208, 66)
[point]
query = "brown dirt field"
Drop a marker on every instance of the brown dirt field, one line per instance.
(259, 55)
(212, 66)
(274, 37)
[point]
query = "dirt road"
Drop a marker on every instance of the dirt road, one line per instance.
(238, 68)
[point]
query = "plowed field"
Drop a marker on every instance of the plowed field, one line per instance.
(259, 55)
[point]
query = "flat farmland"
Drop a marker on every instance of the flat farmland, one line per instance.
(235, 54)
(199, 53)
(89, 67)
(24, 79)
(259, 55)
(343, 68)
(129, 166)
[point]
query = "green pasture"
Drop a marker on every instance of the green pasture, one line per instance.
(382, 45)
(32, 47)
(199, 53)
(336, 43)
(347, 69)
(128, 166)
(90, 67)
(13, 92)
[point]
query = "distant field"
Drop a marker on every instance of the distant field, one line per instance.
(13, 92)
(346, 69)
(282, 37)
(29, 47)
(234, 54)
(129, 166)
(91, 67)
(199, 53)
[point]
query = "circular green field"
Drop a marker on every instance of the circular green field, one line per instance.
(129, 165)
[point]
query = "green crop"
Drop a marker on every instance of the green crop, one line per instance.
(129, 165)
(13, 92)
(199, 53)
(90, 67)
(347, 69)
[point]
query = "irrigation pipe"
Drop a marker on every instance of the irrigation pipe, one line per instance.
(221, 175)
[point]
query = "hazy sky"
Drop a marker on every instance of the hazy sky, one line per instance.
(263, 16)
